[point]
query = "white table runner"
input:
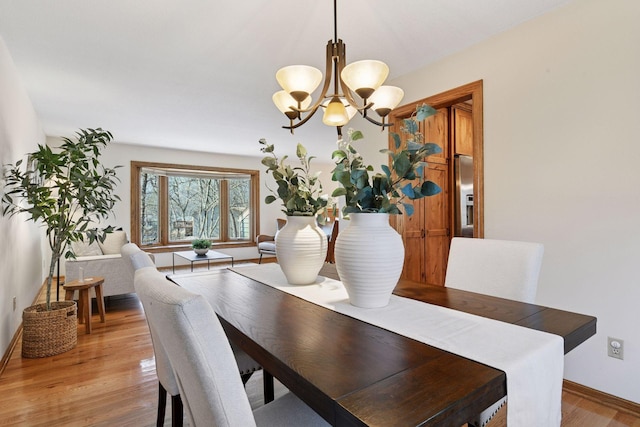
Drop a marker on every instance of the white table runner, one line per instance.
(532, 360)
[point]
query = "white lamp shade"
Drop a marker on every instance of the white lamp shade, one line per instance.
(386, 98)
(365, 75)
(283, 101)
(350, 110)
(335, 114)
(299, 78)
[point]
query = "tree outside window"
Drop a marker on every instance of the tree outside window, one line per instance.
(176, 204)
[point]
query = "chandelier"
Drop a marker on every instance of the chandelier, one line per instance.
(364, 78)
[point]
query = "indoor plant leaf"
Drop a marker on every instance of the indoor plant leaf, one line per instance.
(424, 111)
(402, 178)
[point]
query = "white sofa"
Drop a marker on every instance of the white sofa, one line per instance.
(104, 260)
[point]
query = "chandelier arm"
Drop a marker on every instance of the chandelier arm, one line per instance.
(375, 122)
(325, 87)
(350, 99)
(301, 122)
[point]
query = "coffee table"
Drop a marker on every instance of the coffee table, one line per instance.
(193, 257)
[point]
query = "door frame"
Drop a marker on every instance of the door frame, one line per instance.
(472, 91)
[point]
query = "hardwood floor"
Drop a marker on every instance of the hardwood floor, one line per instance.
(109, 380)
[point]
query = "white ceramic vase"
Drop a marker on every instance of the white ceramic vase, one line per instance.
(369, 257)
(301, 248)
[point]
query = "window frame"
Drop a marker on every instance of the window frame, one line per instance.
(164, 245)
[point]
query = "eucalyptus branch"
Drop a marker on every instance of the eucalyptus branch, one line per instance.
(385, 192)
(298, 188)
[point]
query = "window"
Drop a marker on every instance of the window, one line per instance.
(174, 204)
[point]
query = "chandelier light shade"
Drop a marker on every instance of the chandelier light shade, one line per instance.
(365, 77)
(362, 79)
(335, 113)
(385, 99)
(299, 80)
(284, 101)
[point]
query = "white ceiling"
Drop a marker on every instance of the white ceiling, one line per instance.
(199, 74)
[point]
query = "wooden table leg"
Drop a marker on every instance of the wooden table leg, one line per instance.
(68, 295)
(87, 310)
(100, 302)
(81, 308)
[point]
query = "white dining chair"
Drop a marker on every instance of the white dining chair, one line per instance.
(500, 268)
(137, 260)
(204, 364)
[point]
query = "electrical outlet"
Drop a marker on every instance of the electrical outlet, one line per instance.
(15, 303)
(615, 348)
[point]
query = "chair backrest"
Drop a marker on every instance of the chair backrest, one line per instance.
(142, 260)
(126, 252)
(199, 351)
(501, 268)
(135, 259)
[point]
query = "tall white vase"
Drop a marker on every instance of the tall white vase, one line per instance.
(301, 248)
(369, 257)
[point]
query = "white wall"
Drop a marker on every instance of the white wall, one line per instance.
(562, 164)
(21, 251)
(123, 154)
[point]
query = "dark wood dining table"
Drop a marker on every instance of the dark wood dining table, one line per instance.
(353, 373)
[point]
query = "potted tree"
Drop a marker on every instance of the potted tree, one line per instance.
(66, 190)
(374, 250)
(301, 246)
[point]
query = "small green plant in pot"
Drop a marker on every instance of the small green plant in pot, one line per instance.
(301, 245)
(201, 246)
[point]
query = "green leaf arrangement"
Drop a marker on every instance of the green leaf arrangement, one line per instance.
(298, 188)
(402, 179)
(65, 189)
(201, 244)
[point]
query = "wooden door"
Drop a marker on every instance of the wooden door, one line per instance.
(413, 232)
(437, 227)
(463, 129)
(436, 214)
(458, 129)
(426, 232)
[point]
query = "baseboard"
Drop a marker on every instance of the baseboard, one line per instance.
(18, 334)
(12, 345)
(602, 398)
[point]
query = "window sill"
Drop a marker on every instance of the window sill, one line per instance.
(186, 246)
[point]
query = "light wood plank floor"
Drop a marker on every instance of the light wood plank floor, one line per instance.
(109, 380)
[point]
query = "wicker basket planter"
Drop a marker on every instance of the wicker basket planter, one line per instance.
(47, 333)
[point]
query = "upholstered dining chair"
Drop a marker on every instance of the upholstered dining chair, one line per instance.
(203, 361)
(500, 268)
(139, 260)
